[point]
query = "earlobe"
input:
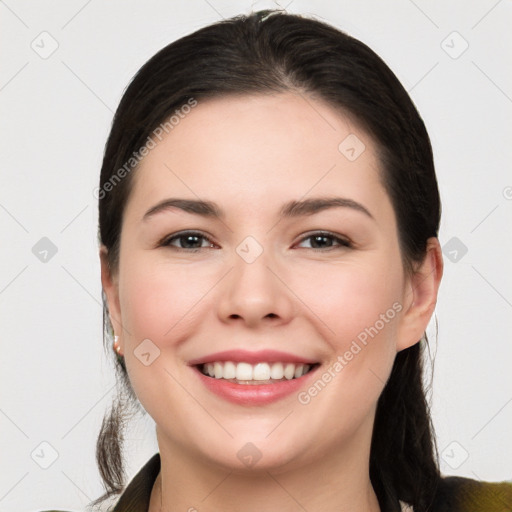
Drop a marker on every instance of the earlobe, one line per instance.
(421, 296)
(111, 290)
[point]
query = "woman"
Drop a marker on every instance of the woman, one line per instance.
(268, 224)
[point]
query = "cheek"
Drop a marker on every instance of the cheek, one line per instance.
(160, 301)
(359, 307)
(164, 304)
(355, 302)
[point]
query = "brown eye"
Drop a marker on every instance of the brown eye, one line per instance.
(325, 240)
(187, 241)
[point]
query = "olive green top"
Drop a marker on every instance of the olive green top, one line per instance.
(455, 494)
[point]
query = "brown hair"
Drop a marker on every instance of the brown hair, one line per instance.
(272, 52)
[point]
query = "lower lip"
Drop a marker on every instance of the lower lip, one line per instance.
(254, 394)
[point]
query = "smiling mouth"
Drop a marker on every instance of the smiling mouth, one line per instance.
(255, 374)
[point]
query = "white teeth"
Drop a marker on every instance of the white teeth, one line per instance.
(217, 370)
(243, 371)
(261, 371)
(277, 371)
(229, 371)
(289, 371)
(256, 372)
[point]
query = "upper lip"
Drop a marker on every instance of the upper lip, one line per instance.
(246, 356)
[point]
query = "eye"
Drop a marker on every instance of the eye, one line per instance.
(325, 240)
(187, 241)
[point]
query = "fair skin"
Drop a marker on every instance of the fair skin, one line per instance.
(251, 155)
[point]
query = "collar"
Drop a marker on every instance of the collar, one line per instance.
(136, 496)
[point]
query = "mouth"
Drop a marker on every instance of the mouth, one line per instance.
(255, 383)
(250, 378)
(262, 373)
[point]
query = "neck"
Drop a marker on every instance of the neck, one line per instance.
(337, 482)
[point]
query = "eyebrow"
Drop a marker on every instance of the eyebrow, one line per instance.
(291, 209)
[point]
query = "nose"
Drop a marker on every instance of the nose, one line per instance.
(255, 294)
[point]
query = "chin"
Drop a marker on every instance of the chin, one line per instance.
(252, 454)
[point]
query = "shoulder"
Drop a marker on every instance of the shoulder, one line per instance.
(459, 494)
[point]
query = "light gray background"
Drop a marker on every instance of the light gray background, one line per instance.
(56, 112)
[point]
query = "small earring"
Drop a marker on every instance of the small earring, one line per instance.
(117, 348)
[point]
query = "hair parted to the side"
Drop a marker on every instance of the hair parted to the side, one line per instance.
(271, 52)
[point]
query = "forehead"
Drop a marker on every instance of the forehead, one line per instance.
(261, 149)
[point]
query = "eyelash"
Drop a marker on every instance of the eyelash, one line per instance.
(166, 242)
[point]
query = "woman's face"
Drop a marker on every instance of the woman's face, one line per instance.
(259, 288)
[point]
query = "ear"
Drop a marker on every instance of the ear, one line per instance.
(420, 296)
(110, 286)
